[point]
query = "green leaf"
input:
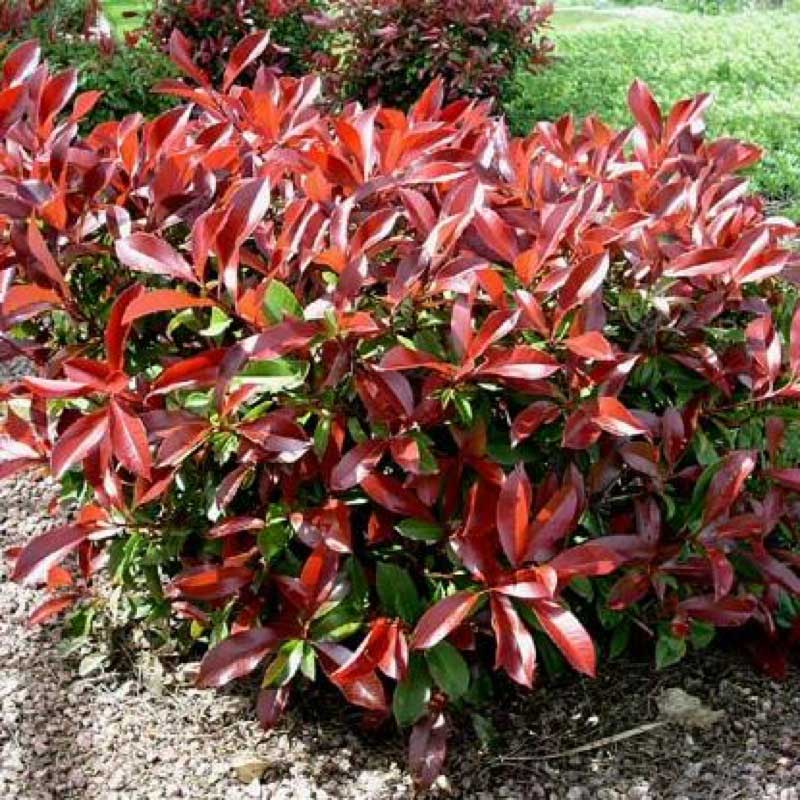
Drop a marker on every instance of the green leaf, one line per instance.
(419, 530)
(285, 664)
(701, 634)
(279, 301)
(411, 697)
(277, 375)
(464, 410)
(704, 449)
(322, 435)
(186, 317)
(582, 587)
(341, 621)
(448, 669)
(359, 586)
(620, 639)
(552, 660)
(218, 323)
(397, 593)
(272, 540)
(308, 663)
(669, 650)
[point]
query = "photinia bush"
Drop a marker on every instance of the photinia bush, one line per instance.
(393, 399)
(394, 46)
(215, 26)
(70, 18)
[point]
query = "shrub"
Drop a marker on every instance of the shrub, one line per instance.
(389, 399)
(47, 17)
(394, 46)
(215, 26)
(124, 73)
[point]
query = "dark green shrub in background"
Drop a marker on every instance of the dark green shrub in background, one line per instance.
(215, 26)
(125, 74)
(395, 46)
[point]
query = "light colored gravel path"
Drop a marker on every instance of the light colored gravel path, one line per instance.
(117, 736)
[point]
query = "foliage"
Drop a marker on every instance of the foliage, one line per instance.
(750, 62)
(388, 399)
(125, 74)
(47, 17)
(215, 26)
(395, 46)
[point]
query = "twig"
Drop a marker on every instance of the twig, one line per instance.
(606, 740)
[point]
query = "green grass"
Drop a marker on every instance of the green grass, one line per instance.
(750, 61)
(117, 11)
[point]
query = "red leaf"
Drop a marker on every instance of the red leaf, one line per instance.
(534, 583)
(180, 53)
(209, 582)
(83, 105)
(56, 94)
(21, 62)
(366, 691)
(235, 525)
(356, 464)
(585, 278)
(427, 749)
(516, 652)
(592, 345)
(52, 607)
(674, 435)
(645, 109)
(390, 493)
(729, 612)
(512, 515)
(776, 571)
(568, 634)
(162, 300)
(520, 363)
(590, 559)
(43, 551)
(527, 422)
(721, 571)
(399, 358)
(236, 656)
(117, 329)
(78, 441)
(788, 478)
(612, 417)
(794, 343)
(129, 441)
(247, 208)
(373, 650)
(442, 619)
(629, 589)
(553, 522)
(728, 483)
(145, 252)
(497, 325)
(270, 706)
(244, 54)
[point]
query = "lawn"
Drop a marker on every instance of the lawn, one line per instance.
(119, 11)
(751, 62)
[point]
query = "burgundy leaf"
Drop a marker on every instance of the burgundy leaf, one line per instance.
(236, 656)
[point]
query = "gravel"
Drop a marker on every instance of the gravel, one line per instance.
(121, 735)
